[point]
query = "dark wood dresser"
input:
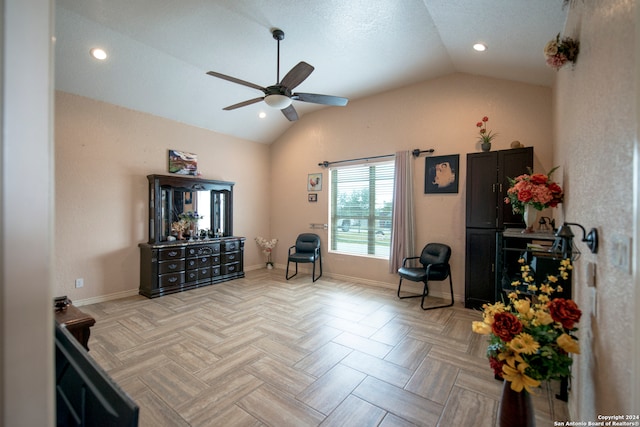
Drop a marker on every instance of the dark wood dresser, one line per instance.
(179, 266)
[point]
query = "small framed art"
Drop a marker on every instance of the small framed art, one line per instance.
(313, 197)
(314, 182)
(441, 174)
(183, 163)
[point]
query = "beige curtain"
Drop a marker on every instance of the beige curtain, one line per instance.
(402, 240)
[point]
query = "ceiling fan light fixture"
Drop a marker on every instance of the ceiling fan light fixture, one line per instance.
(278, 101)
(99, 54)
(480, 47)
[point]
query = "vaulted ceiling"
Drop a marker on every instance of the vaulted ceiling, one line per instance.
(160, 50)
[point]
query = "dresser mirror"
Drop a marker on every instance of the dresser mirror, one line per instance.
(171, 196)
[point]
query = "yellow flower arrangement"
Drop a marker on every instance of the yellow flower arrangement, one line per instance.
(531, 337)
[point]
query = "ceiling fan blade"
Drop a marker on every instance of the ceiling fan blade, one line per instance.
(290, 113)
(243, 104)
(234, 80)
(320, 99)
(297, 75)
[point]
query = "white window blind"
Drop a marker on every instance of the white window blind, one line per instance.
(361, 205)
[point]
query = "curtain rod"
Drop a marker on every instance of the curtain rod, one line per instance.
(415, 153)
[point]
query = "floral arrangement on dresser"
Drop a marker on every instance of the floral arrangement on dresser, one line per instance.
(267, 247)
(180, 227)
(560, 51)
(485, 136)
(536, 190)
(190, 217)
(532, 336)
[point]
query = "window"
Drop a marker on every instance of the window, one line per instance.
(361, 203)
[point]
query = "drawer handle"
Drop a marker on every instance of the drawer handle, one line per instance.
(231, 246)
(232, 268)
(232, 257)
(173, 253)
(173, 279)
(172, 266)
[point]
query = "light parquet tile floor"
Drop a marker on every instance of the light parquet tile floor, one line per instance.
(263, 351)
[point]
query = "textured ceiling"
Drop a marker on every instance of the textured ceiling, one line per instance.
(160, 50)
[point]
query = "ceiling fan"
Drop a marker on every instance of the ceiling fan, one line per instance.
(280, 95)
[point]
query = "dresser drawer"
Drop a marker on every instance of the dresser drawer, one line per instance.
(200, 262)
(230, 257)
(204, 273)
(191, 275)
(171, 279)
(195, 251)
(231, 246)
(170, 253)
(234, 267)
(171, 266)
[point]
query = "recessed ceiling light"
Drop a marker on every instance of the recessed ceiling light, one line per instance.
(262, 114)
(98, 53)
(480, 47)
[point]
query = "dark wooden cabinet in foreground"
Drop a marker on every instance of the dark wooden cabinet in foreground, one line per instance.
(212, 254)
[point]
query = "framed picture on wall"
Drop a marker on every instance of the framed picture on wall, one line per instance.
(441, 174)
(183, 163)
(314, 182)
(313, 197)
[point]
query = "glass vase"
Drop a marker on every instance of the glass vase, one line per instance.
(529, 216)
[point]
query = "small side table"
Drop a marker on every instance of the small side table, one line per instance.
(77, 323)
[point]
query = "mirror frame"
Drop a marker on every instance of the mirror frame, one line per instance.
(157, 183)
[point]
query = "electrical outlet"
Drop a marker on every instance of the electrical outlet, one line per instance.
(79, 282)
(621, 252)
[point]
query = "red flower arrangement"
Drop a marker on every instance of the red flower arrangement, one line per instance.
(537, 190)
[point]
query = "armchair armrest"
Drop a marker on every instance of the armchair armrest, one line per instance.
(404, 260)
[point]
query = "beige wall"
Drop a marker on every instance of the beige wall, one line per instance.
(103, 154)
(595, 126)
(440, 114)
